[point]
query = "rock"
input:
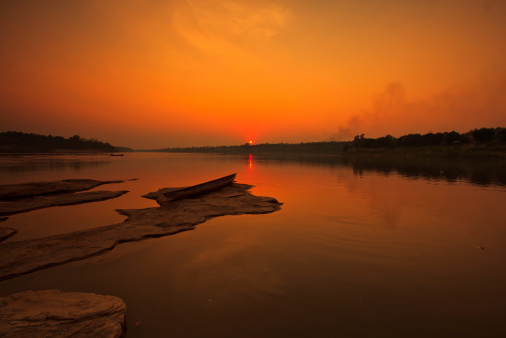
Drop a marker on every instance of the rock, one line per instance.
(8, 191)
(17, 198)
(53, 313)
(6, 233)
(20, 205)
(19, 258)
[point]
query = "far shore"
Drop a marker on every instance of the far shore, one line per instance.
(490, 151)
(60, 152)
(494, 150)
(469, 151)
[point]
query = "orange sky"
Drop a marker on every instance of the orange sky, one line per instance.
(155, 73)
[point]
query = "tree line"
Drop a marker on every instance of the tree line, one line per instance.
(266, 148)
(14, 141)
(453, 138)
(479, 136)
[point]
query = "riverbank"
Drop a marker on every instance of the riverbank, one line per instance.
(495, 150)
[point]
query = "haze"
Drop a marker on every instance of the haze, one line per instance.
(154, 73)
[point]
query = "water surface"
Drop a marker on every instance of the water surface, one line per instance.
(361, 247)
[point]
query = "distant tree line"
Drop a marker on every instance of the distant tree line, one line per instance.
(14, 141)
(480, 136)
(266, 148)
(453, 138)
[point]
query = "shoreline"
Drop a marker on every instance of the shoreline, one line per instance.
(465, 151)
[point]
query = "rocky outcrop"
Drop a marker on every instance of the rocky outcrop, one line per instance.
(17, 198)
(19, 258)
(53, 313)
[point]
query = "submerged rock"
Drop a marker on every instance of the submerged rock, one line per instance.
(19, 258)
(53, 313)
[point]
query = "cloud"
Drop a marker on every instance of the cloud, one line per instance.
(224, 26)
(232, 17)
(255, 21)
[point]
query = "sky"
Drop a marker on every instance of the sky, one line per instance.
(153, 73)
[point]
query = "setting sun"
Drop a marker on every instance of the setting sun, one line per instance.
(175, 73)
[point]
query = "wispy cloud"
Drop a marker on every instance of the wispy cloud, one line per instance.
(232, 17)
(228, 27)
(243, 18)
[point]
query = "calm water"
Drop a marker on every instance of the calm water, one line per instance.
(361, 248)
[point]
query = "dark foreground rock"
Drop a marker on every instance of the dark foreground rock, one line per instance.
(19, 258)
(6, 233)
(53, 313)
(17, 198)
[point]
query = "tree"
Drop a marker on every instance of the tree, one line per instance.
(483, 135)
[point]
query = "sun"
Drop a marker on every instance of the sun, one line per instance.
(250, 142)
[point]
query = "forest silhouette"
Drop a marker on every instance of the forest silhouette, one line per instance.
(447, 143)
(18, 142)
(477, 139)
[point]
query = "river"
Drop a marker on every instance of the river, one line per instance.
(361, 247)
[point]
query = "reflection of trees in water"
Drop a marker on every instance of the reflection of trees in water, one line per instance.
(481, 172)
(32, 165)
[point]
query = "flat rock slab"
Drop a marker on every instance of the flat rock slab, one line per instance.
(17, 198)
(8, 191)
(53, 313)
(11, 207)
(19, 258)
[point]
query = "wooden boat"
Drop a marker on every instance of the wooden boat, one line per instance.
(200, 189)
(116, 154)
